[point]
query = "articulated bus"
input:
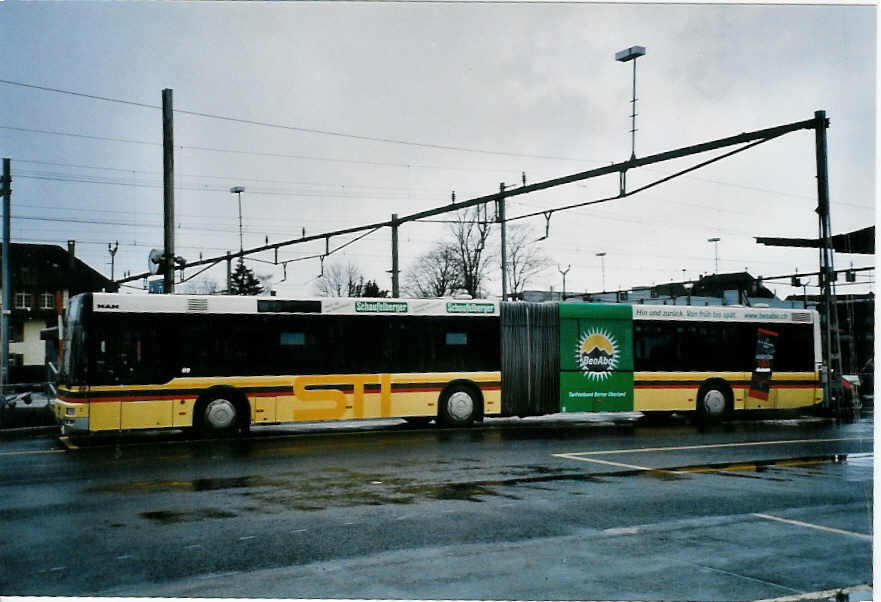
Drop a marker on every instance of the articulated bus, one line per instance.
(220, 364)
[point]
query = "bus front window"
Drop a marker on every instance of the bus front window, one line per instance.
(74, 356)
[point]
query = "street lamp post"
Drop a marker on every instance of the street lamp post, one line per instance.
(715, 240)
(631, 54)
(563, 273)
(238, 190)
(602, 257)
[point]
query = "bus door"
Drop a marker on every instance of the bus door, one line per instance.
(596, 357)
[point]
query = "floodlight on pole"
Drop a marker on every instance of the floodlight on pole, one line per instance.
(715, 240)
(238, 190)
(631, 54)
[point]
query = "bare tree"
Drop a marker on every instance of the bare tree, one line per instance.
(340, 280)
(470, 232)
(434, 274)
(525, 259)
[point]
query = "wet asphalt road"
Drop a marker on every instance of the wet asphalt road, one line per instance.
(575, 507)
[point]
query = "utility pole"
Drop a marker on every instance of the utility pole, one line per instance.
(602, 257)
(228, 273)
(501, 219)
(112, 248)
(7, 296)
(395, 287)
(833, 392)
(168, 189)
(564, 272)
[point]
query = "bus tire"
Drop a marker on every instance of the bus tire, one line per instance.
(715, 402)
(459, 405)
(221, 412)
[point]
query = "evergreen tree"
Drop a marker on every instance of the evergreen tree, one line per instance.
(243, 281)
(371, 289)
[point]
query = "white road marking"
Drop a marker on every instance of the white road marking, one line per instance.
(829, 593)
(299, 530)
(621, 531)
(124, 557)
(247, 537)
(812, 526)
(33, 453)
(581, 458)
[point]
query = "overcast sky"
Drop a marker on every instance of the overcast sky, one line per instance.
(515, 88)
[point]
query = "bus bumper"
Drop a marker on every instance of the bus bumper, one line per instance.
(73, 417)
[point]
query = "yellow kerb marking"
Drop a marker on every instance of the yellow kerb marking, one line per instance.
(68, 443)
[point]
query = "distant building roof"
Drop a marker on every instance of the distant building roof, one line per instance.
(51, 267)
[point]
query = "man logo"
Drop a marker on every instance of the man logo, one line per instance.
(597, 354)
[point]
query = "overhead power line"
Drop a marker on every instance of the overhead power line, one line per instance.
(294, 128)
(264, 154)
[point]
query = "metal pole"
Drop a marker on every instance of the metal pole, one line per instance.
(501, 219)
(168, 188)
(832, 389)
(7, 296)
(112, 250)
(602, 257)
(241, 236)
(228, 273)
(633, 119)
(395, 287)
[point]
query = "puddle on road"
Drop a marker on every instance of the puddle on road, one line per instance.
(168, 517)
(212, 484)
(342, 488)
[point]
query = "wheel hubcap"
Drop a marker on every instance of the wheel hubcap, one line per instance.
(460, 406)
(714, 403)
(220, 413)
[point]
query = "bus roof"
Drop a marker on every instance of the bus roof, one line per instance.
(230, 304)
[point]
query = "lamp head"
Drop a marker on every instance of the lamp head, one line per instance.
(629, 54)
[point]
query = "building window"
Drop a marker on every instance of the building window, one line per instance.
(23, 300)
(47, 301)
(16, 332)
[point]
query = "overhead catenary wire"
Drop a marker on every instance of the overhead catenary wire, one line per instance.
(323, 132)
(265, 154)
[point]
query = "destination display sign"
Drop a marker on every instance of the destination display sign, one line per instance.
(384, 307)
(470, 308)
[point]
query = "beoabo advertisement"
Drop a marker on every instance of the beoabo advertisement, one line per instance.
(596, 358)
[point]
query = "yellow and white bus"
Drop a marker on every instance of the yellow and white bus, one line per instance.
(222, 364)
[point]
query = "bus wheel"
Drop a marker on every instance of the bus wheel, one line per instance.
(458, 406)
(713, 403)
(219, 416)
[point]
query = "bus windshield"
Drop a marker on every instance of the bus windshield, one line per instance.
(74, 357)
